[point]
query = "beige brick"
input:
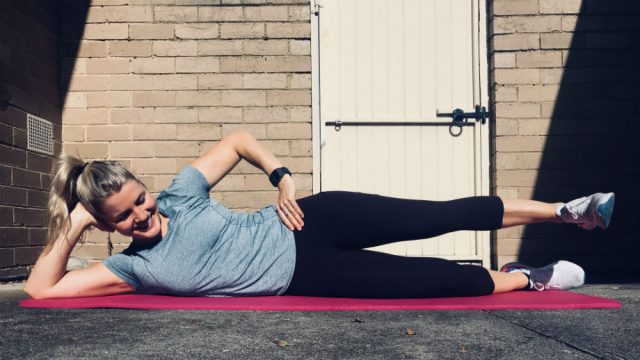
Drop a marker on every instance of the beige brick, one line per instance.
(516, 177)
(289, 131)
(220, 13)
(539, 59)
(154, 98)
(560, 7)
(266, 13)
(241, 30)
(175, 48)
(265, 81)
(538, 93)
(220, 47)
(151, 31)
(265, 64)
(108, 99)
(84, 116)
(300, 81)
(231, 182)
(288, 97)
(73, 133)
(153, 166)
(108, 132)
(537, 24)
(257, 182)
(197, 31)
(108, 66)
(137, 149)
(300, 114)
(503, 25)
(92, 49)
(131, 82)
(551, 76)
(153, 66)
(244, 98)
(556, 41)
(87, 150)
(130, 116)
(259, 131)
(534, 126)
(130, 48)
(506, 93)
(75, 100)
(504, 60)
(288, 30)
(175, 82)
(176, 115)
(90, 251)
(299, 13)
(129, 14)
(265, 114)
(197, 132)
(506, 127)
(96, 14)
(89, 83)
(177, 149)
(198, 98)
(75, 66)
(109, 2)
(517, 110)
(175, 14)
(201, 64)
(154, 132)
(515, 7)
(507, 193)
(520, 143)
(517, 76)
(253, 199)
(265, 47)
(516, 42)
(220, 81)
(106, 31)
(299, 164)
(278, 147)
(299, 47)
(219, 115)
(301, 148)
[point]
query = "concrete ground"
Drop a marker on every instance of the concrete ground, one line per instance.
(143, 334)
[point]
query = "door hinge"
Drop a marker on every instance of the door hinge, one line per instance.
(315, 7)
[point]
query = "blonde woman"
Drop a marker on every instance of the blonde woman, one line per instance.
(185, 243)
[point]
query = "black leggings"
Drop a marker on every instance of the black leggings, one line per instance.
(330, 260)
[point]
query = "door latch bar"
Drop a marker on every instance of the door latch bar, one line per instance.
(460, 117)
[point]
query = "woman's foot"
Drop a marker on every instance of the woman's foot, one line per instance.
(561, 275)
(589, 211)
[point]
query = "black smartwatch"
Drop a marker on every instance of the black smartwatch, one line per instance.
(277, 175)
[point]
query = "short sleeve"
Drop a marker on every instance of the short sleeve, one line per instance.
(190, 185)
(122, 266)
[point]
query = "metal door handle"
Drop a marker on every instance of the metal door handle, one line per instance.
(459, 116)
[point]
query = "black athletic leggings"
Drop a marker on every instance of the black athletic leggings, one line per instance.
(339, 224)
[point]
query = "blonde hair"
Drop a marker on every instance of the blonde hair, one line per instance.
(76, 181)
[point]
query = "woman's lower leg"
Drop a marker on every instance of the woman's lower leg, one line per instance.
(505, 282)
(522, 212)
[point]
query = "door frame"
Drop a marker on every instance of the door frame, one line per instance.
(480, 71)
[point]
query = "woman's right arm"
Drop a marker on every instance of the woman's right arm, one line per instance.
(49, 279)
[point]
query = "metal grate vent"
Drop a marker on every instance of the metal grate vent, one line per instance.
(39, 135)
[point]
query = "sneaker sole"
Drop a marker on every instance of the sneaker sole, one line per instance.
(513, 265)
(605, 211)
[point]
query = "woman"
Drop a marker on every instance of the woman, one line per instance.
(185, 243)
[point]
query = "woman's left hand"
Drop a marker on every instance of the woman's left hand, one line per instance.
(289, 211)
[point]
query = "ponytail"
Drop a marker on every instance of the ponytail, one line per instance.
(76, 181)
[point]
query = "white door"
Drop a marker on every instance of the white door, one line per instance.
(383, 69)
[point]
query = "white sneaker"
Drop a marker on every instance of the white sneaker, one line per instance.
(589, 211)
(560, 275)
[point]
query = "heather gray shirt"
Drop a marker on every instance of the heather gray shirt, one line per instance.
(209, 250)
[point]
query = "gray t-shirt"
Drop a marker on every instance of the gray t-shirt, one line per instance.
(209, 250)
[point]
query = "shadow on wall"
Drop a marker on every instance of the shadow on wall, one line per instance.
(74, 18)
(593, 145)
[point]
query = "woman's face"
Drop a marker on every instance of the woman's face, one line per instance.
(133, 212)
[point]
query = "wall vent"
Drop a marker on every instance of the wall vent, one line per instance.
(39, 135)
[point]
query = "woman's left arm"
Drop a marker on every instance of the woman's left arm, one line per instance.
(241, 144)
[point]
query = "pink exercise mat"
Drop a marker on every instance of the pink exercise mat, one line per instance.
(515, 300)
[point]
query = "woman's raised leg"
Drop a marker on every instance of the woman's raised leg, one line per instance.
(522, 212)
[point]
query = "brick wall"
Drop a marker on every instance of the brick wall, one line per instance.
(156, 83)
(28, 84)
(564, 84)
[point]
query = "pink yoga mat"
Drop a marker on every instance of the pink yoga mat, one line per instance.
(514, 300)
